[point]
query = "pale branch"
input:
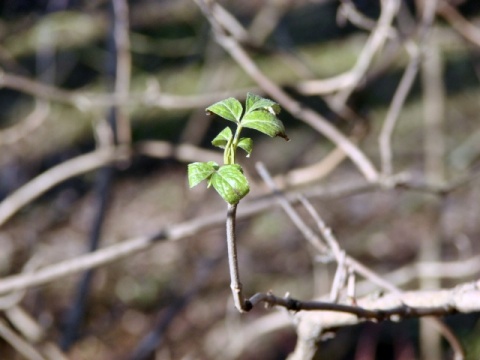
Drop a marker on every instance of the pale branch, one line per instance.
(394, 307)
(88, 100)
(340, 255)
(121, 36)
(373, 46)
(21, 129)
(21, 345)
(89, 162)
(433, 99)
(54, 176)
(401, 93)
(465, 28)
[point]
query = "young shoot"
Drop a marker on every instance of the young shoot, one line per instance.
(228, 179)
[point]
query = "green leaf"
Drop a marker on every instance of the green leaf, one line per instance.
(222, 139)
(229, 109)
(199, 171)
(255, 102)
(246, 144)
(265, 122)
(230, 183)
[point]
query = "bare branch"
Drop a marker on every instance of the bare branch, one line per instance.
(394, 307)
(401, 93)
(123, 62)
(459, 23)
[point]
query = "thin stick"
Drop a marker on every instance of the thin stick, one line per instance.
(235, 283)
(401, 93)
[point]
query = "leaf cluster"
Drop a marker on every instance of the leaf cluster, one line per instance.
(228, 180)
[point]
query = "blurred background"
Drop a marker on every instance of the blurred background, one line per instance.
(59, 61)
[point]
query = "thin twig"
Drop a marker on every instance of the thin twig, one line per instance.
(401, 93)
(341, 272)
(411, 304)
(309, 235)
(374, 44)
(235, 283)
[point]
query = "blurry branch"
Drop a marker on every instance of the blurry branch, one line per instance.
(22, 129)
(310, 173)
(20, 344)
(373, 46)
(84, 100)
(346, 82)
(88, 162)
(348, 12)
(121, 31)
(404, 87)
(339, 254)
(310, 117)
(91, 161)
(401, 93)
(433, 96)
(435, 269)
(54, 176)
(30, 332)
(459, 23)
(267, 18)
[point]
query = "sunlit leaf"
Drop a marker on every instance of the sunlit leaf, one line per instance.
(229, 109)
(265, 122)
(199, 171)
(230, 183)
(255, 102)
(246, 144)
(222, 139)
